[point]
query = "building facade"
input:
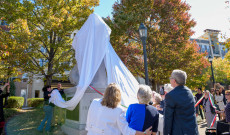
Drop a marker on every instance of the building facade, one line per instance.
(209, 42)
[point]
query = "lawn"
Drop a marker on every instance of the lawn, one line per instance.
(26, 123)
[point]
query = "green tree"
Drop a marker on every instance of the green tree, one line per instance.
(12, 88)
(168, 43)
(7, 58)
(41, 30)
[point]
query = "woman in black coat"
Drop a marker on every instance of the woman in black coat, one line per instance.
(2, 96)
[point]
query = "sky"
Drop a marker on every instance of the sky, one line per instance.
(208, 14)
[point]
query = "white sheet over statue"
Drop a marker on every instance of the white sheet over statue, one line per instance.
(92, 47)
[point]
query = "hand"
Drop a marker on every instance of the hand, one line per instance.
(148, 131)
(49, 95)
(158, 108)
(6, 84)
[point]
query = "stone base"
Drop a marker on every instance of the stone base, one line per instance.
(72, 131)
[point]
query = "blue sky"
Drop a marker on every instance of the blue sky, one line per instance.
(208, 14)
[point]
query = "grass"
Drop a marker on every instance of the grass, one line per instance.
(10, 112)
(27, 122)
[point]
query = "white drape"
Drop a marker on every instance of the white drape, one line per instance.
(92, 47)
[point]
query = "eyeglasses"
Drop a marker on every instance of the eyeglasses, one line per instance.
(227, 94)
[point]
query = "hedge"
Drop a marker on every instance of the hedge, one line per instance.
(15, 102)
(35, 102)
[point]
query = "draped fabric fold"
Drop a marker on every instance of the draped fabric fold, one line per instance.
(92, 47)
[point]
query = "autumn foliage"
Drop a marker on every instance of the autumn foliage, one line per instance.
(39, 36)
(168, 44)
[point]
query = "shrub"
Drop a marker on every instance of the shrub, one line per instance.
(35, 102)
(15, 102)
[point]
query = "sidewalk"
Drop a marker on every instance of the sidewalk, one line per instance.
(202, 125)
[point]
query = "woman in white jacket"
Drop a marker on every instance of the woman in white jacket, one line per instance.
(106, 116)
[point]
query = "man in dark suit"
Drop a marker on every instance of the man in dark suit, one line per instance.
(180, 113)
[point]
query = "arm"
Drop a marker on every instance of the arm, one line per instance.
(46, 95)
(6, 84)
(90, 111)
(8, 90)
(126, 130)
(169, 110)
(147, 132)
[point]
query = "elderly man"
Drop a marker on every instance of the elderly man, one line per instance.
(180, 115)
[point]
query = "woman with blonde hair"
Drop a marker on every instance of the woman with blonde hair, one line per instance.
(157, 99)
(106, 116)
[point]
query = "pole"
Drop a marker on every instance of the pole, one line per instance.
(145, 62)
(213, 79)
(27, 89)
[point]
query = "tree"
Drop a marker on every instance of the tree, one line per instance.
(7, 57)
(41, 30)
(168, 44)
(12, 88)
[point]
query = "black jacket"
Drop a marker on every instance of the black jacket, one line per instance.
(2, 96)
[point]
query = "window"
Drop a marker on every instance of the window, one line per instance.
(37, 92)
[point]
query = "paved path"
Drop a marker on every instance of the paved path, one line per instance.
(202, 125)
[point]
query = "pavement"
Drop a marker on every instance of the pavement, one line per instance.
(202, 125)
(27, 108)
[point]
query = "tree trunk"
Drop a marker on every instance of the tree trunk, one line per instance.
(48, 79)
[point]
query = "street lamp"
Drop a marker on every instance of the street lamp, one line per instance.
(143, 36)
(210, 58)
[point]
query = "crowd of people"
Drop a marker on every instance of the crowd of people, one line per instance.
(172, 112)
(219, 107)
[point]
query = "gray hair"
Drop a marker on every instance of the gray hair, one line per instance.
(179, 76)
(145, 94)
(157, 98)
(168, 87)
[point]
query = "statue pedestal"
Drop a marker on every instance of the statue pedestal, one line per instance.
(75, 121)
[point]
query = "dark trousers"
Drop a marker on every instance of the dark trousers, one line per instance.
(200, 112)
(1, 129)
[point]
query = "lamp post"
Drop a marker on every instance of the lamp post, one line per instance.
(210, 58)
(143, 36)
